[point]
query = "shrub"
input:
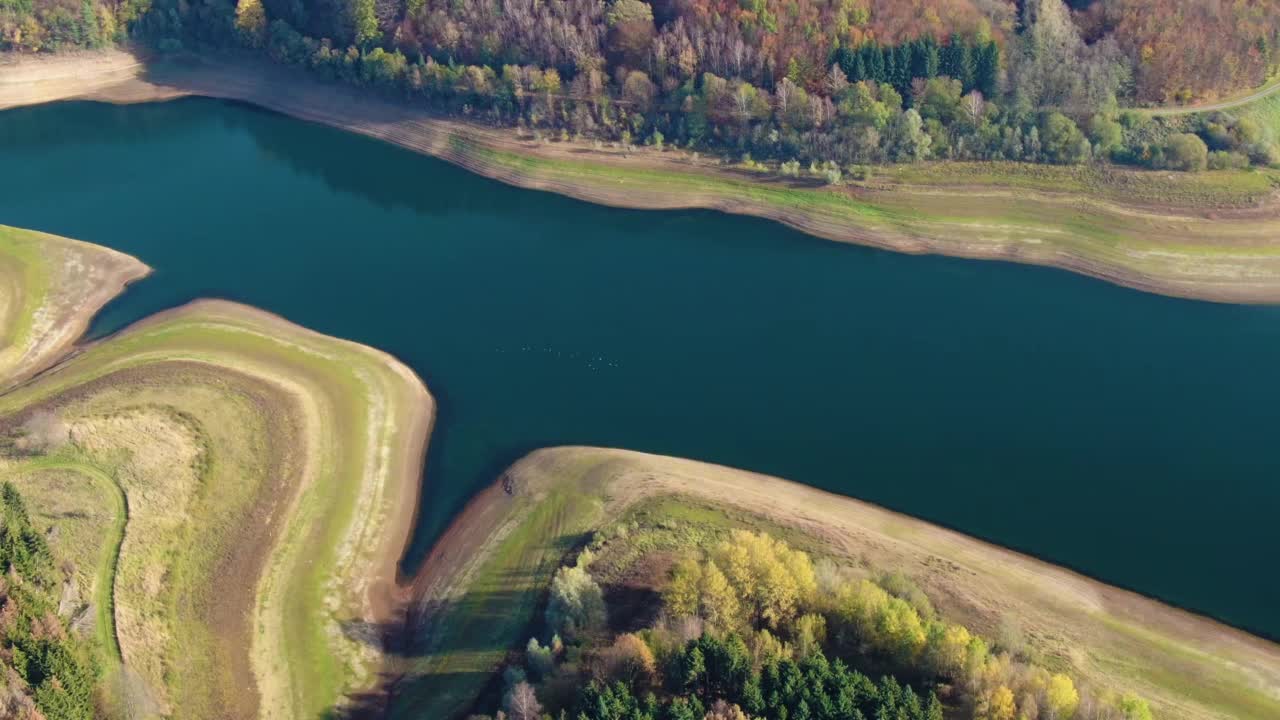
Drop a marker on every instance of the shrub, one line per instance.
(1221, 160)
(1062, 142)
(576, 608)
(1186, 151)
(629, 661)
(1107, 134)
(539, 658)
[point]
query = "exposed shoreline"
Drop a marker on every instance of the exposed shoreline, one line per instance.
(629, 477)
(1218, 254)
(971, 580)
(339, 471)
(79, 279)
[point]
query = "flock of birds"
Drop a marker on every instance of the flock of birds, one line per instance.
(591, 361)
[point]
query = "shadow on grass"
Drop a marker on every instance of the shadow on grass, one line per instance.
(445, 653)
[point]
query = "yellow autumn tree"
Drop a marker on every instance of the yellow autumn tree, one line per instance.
(948, 647)
(810, 634)
(683, 595)
(1133, 707)
(628, 660)
(718, 602)
(773, 580)
(1061, 698)
(722, 710)
(899, 632)
(859, 603)
(1000, 705)
(251, 21)
(766, 647)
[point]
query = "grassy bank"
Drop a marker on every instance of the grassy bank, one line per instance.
(50, 288)
(1203, 235)
(232, 490)
(270, 476)
(1187, 666)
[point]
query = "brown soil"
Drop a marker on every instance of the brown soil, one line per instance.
(632, 597)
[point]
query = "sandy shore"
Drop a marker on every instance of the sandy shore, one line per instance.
(1230, 255)
(1188, 666)
(107, 75)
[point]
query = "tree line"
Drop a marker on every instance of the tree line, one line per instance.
(976, 64)
(831, 86)
(753, 628)
(45, 670)
(51, 25)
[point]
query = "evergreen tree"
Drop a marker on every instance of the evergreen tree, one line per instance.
(901, 80)
(873, 61)
(987, 69)
(925, 57)
(957, 62)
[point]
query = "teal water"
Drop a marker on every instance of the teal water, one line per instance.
(1129, 436)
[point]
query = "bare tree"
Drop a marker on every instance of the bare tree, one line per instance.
(784, 92)
(837, 81)
(522, 703)
(974, 105)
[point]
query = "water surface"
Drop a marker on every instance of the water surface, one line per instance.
(1130, 436)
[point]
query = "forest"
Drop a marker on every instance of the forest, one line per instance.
(828, 85)
(46, 671)
(750, 627)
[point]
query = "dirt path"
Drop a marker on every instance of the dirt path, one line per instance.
(1270, 88)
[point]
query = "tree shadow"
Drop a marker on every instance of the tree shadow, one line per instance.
(479, 632)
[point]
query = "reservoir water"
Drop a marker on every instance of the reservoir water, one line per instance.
(1129, 436)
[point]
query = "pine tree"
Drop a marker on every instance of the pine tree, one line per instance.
(902, 76)
(873, 63)
(957, 62)
(925, 57)
(933, 709)
(987, 69)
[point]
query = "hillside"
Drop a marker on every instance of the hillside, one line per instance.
(834, 86)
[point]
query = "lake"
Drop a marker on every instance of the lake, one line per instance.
(1129, 436)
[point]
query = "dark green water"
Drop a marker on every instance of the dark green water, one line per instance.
(1129, 436)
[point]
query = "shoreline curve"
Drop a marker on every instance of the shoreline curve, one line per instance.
(1220, 254)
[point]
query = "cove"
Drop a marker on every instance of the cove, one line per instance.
(1129, 436)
